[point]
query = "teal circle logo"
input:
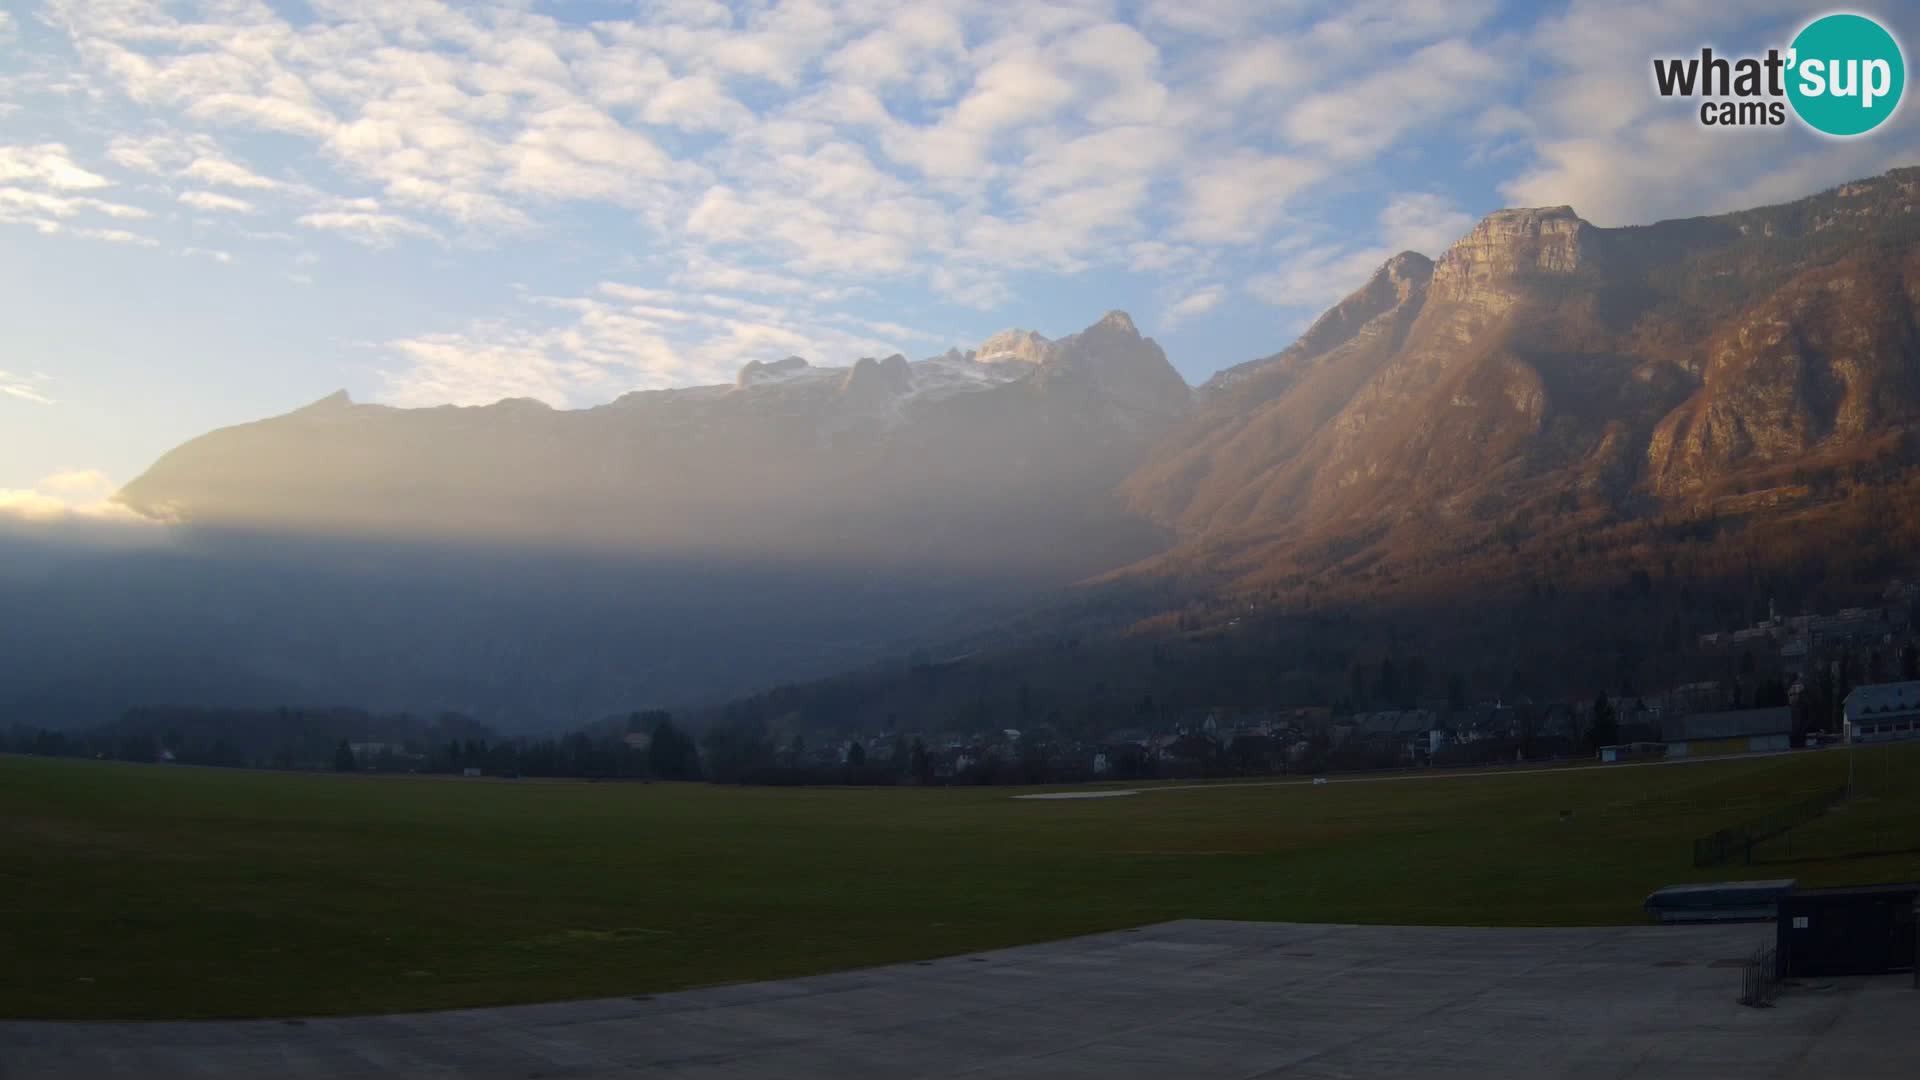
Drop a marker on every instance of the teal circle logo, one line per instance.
(1846, 74)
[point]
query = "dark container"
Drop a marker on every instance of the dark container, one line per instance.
(1865, 930)
(1718, 901)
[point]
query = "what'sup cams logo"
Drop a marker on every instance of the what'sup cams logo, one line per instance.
(1843, 75)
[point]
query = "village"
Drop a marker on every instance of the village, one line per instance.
(1799, 681)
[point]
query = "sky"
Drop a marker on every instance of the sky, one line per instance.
(216, 212)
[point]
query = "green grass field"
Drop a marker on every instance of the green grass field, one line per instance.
(150, 891)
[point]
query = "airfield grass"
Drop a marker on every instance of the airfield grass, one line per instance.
(142, 892)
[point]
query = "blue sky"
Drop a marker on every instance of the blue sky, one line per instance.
(219, 211)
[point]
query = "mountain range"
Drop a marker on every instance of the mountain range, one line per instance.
(1003, 459)
(1545, 392)
(1545, 373)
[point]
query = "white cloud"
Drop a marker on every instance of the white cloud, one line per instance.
(215, 202)
(214, 254)
(1364, 117)
(1596, 137)
(789, 155)
(1237, 201)
(1318, 277)
(367, 227)
(949, 142)
(47, 165)
(1148, 256)
(1193, 304)
(78, 482)
(695, 103)
(148, 153)
(1426, 223)
(1266, 65)
(1018, 90)
(223, 173)
(29, 388)
(38, 186)
(71, 495)
(22, 201)
(122, 237)
(621, 337)
(918, 46)
(1631, 179)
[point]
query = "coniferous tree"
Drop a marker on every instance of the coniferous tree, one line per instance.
(1605, 730)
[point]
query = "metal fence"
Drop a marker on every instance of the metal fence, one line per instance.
(1760, 978)
(1737, 841)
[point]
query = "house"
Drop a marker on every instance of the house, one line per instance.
(1739, 731)
(1638, 722)
(1882, 712)
(1852, 624)
(1793, 656)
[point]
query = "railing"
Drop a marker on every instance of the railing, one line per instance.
(1760, 978)
(1737, 842)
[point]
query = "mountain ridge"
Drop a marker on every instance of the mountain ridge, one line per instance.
(1542, 346)
(1546, 400)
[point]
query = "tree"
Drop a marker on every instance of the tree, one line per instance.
(343, 758)
(856, 754)
(918, 765)
(1771, 694)
(1605, 730)
(671, 755)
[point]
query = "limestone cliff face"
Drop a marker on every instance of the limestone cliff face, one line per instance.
(1218, 467)
(1410, 386)
(1508, 248)
(1826, 360)
(1542, 359)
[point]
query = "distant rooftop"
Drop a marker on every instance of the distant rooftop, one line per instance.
(1883, 698)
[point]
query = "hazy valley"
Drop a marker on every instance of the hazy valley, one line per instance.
(1547, 405)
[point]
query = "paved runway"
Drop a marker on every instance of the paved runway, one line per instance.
(1190, 998)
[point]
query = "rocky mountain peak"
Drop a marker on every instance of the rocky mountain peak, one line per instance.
(339, 399)
(871, 380)
(1013, 346)
(758, 371)
(1132, 372)
(1398, 285)
(1113, 336)
(1406, 267)
(1511, 244)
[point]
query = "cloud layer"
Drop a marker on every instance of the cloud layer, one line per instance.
(68, 496)
(814, 178)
